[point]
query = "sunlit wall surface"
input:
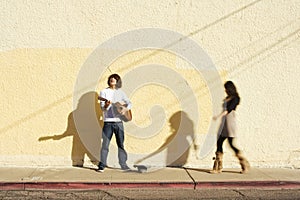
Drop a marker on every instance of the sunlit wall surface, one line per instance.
(173, 56)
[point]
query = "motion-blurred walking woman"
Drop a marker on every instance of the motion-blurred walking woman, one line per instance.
(229, 129)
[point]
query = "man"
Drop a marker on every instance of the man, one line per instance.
(112, 122)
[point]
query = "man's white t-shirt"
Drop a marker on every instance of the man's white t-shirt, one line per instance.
(113, 95)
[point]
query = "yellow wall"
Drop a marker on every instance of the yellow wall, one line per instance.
(44, 47)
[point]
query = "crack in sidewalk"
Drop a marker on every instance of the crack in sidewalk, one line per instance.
(195, 183)
(239, 192)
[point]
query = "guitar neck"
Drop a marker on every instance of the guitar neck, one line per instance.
(102, 99)
(116, 104)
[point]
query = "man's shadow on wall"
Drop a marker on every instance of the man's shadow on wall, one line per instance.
(178, 143)
(86, 120)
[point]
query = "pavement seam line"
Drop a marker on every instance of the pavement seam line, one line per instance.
(240, 193)
(195, 183)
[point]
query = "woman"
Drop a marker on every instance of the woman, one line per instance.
(229, 129)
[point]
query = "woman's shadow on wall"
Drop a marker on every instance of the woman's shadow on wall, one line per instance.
(178, 144)
(83, 126)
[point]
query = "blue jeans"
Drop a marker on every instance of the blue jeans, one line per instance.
(108, 129)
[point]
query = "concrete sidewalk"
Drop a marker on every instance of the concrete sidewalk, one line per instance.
(88, 178)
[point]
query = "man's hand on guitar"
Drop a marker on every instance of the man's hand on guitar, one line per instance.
(107, 103)
(123, 110)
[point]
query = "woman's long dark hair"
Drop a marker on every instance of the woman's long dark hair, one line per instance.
(231, 89)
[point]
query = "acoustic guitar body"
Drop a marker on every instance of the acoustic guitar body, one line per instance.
(118, 107)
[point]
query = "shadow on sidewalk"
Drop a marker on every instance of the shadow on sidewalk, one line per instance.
(208, 170)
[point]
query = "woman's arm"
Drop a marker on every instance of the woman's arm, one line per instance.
(222, 114)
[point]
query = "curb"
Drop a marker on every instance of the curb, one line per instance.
(112, 185)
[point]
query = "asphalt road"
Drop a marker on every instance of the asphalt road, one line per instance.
(153, 193)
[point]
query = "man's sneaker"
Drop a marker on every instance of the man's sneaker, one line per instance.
(100, 169)
(125, 168)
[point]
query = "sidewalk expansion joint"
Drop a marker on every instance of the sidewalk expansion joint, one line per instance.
(195, 184)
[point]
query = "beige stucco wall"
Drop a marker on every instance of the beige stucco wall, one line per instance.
(43, 47)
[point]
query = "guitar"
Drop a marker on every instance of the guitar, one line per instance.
(117, 110)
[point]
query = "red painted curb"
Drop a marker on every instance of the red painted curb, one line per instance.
(251, 184)
(198, 185)
(87, 185)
